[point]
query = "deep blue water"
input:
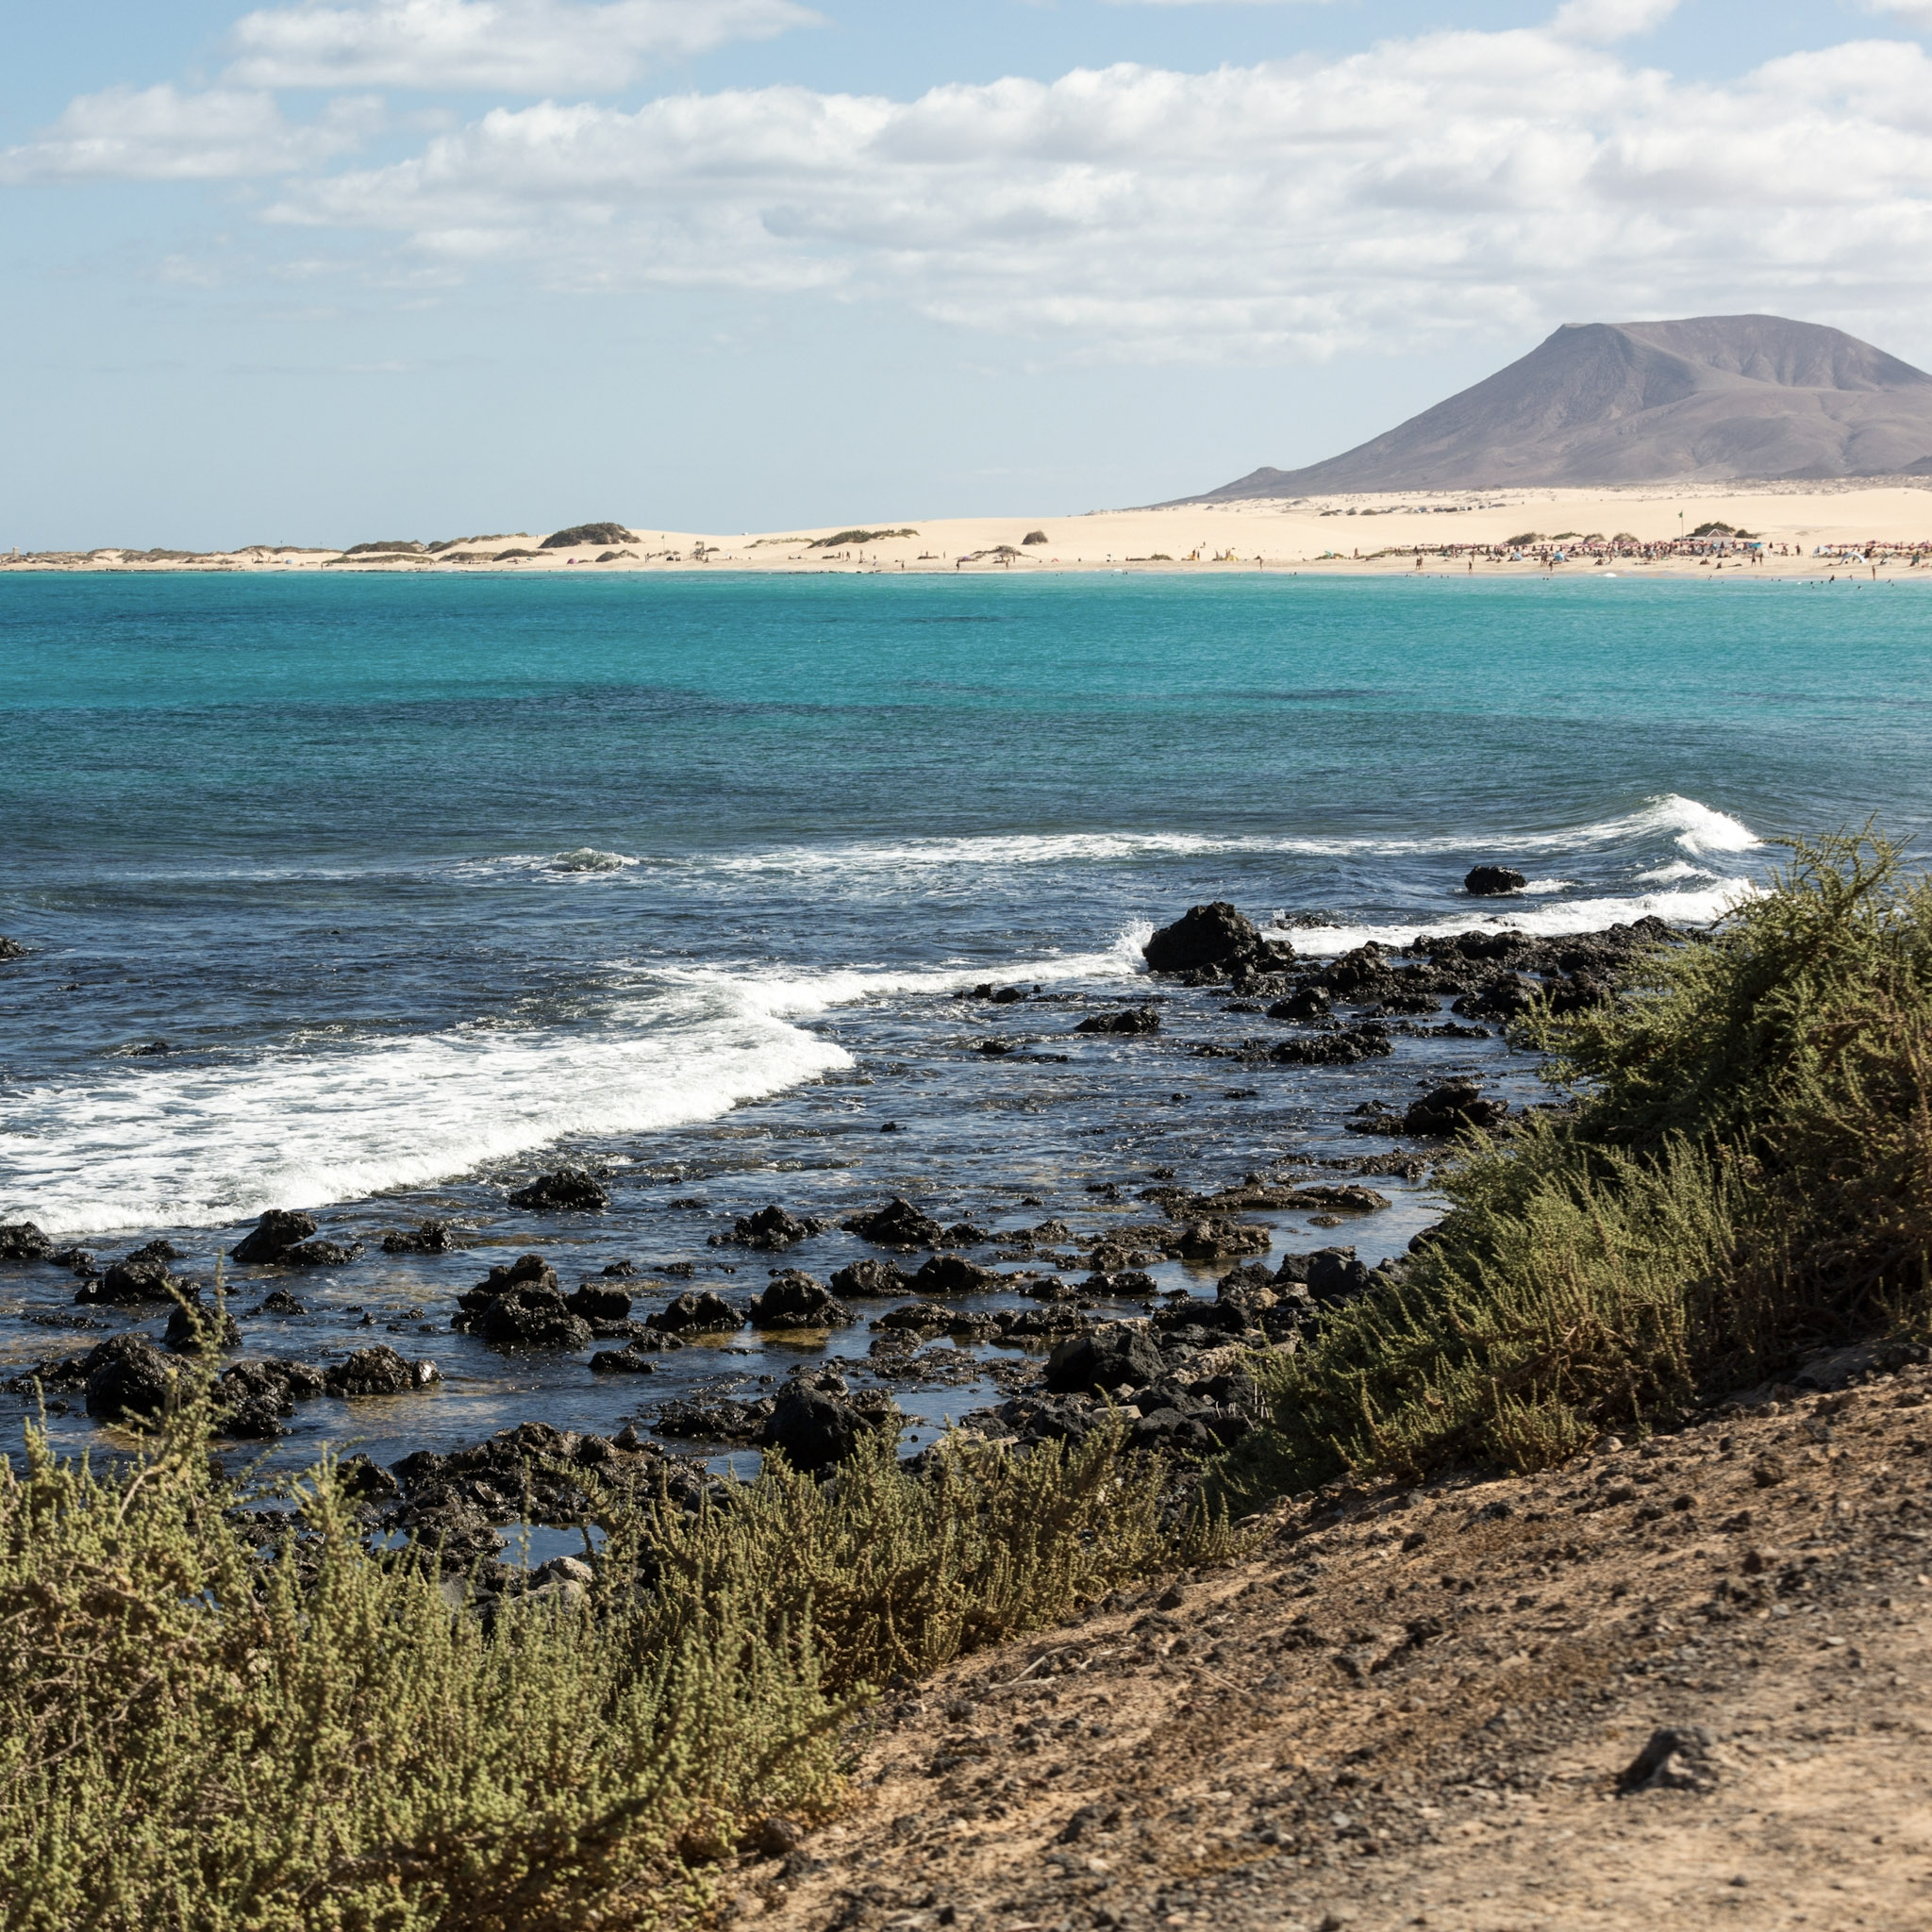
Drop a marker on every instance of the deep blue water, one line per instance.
(413, 887)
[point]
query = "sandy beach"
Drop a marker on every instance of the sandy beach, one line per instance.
(1805, 529)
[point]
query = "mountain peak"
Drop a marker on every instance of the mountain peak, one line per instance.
(1709, 398)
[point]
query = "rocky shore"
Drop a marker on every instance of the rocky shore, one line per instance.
(1065, 1324)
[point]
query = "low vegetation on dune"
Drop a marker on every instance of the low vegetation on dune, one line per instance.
(1741, 1171)
(199, 1732)
(841, 540)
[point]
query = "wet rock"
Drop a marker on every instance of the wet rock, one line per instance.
(1346, 1047)
(280, 1302)
(319, 1254)
(1304, 1005)
(1135, 1020)
(1214, 939)
(1490, 881)
(1503, 996)
(696, 1312)
(595, 1302)
(128, 1377)
(814, 1429)
(76, 1261)
(128, 1283)
(952, 1275)
(919, 1318)
(364, 1480)
(770, 1228)
(1127, 1283)
(993, 1049)
(897, 1225)
(570, 1189)
(192, 1328)
(963, 1234)
(377, 1371)
(1222, 1241)
(1069, 1418)
(715, 1418)
(278, 1229)
(1450, 1109)
(530, 1315)
(632, 1360)
(794, 1300)
(1050, 1324)
(425, 1237)
(1329, 1274)
(1109, 1358)
(21, 1241)
(1202, 1324)
(256, 1396)
(868, 1278)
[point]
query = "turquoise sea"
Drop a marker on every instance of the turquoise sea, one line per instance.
(374, 897)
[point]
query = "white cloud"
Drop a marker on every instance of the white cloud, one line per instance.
(1914, 13)
(520, 47)
(161, 134)
(1611, 19)
(1460, 179)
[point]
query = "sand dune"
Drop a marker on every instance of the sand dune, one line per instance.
(1328, 534)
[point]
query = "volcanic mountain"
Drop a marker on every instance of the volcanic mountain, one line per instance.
(1716, 398)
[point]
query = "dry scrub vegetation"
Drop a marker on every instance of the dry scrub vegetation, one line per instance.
(1742, 1169)
(195, 1733)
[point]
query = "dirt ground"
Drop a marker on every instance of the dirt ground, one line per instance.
(1421, 1708)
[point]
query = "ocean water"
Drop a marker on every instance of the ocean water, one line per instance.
(376, 897)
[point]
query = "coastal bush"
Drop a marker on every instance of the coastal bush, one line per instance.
(196, 1732)
(1742, 1171)
(840, 539)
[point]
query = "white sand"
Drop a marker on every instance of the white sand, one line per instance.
(1367, 534)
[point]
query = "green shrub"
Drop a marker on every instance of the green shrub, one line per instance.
(1743, 1171)
(195, 1732)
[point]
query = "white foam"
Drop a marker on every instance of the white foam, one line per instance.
(146, 1145)
(790, 997)
(197, 1147)
(1694, 827)
(1540, 922)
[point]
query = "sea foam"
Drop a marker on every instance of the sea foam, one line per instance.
(152, 1145)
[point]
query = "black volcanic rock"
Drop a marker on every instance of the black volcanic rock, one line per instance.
(701, 1313)
(378, 1370)
(897, 1225)
(1713, 397)
(770, 1228)
(128, 1376)
(1214, 938)
(1452, 1107)
(21, 1241)
(1490, 881)
(794, 1300)
(278, 1229)
(1133, 1020)
(569, 1190)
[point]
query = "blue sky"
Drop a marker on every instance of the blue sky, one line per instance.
(338, 269)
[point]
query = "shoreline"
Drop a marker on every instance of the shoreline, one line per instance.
(1881, 530)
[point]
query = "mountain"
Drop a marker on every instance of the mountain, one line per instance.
(1719, 396)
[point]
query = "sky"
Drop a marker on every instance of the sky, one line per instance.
(335, 269)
